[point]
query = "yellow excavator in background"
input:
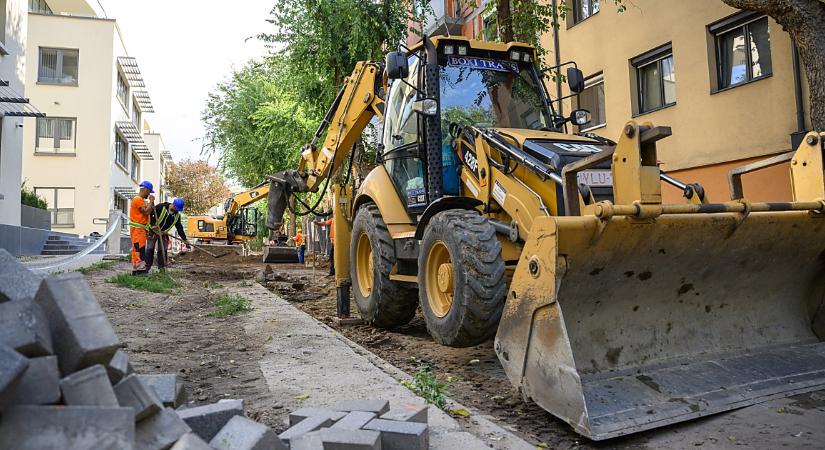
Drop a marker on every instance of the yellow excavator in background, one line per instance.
(611, 310)
(237, 225)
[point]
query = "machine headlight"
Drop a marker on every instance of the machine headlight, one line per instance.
(525, 57)
(581, 117)
(462, 50)
(427, 106)
(515, 55)
(449, 49)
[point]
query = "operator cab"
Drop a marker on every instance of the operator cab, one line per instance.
(494, 87)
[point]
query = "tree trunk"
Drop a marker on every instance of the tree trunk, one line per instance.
(804, 20)
(504, 20)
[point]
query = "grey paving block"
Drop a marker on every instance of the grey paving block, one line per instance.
(66, 427)
(305, 426)
(241, 433)
(39, 385)
(309, 441)
(133, 393)
(118, 367)
(406, 412)
(169, 390)
(23, 327)
(332, 439)
(207, 420)
(376, 406)
(159, 431)
(354, 420)
(191, 441)
(12, 366)
(16, 281)
(88, 387)
(81, 334)
(301, 414)
(400, 435)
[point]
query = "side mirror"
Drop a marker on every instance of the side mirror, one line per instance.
(397, 66)
(575, 79)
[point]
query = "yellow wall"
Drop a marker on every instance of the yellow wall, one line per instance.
(743, 122)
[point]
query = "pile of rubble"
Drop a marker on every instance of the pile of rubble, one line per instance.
(66, 382)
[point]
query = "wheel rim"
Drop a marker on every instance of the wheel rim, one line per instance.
(439, 281)
(363, 268)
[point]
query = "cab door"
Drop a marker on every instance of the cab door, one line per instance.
(401, 141)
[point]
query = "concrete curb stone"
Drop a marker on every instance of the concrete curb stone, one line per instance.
(23, 327)
(39, 385)
(88, 387)
(133, 393)
(241, 433)
(207, 420)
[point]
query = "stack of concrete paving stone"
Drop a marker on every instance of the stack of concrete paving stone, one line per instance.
(358, 425)
(66, 383)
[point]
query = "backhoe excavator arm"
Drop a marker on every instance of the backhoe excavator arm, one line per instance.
(356, 104)
(246, 198)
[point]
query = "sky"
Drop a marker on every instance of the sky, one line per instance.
(184, 48)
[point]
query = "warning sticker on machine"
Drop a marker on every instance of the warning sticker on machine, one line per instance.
(499, 193)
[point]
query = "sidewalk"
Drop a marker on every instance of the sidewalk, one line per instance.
(306, 357)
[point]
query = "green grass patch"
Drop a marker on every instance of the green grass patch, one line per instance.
(100, 265)
(157, 282)
(426, 385)
(228, 305)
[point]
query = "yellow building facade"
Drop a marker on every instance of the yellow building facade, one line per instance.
(725, 81)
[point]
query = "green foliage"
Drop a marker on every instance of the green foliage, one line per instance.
(255, 123)
(426, 385)
(157, 282)
(29, 198)
(228, 305)
(100, 265)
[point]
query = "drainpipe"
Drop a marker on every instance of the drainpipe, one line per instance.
(797, 85)
(558, 56)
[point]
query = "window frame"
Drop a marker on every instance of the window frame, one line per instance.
(576, 11)
(136, 113)
(58, 66)
(654, 56)
(134, 167)
(589, 82)
(53, 211)
(125, 164)
(55, 150)
(124, 97)
(741, 20)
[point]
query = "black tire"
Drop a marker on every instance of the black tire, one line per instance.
(388, 304)
(478, 278)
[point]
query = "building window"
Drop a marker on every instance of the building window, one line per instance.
(121, 151)
(582, 9)
(655, 79)
(592, 99)
(489, 30)
(135, 168)
(743, 49)
(58, 66)
(136, 115)
(55, 135)
(60, 203)
(39, 6)
(122, 91)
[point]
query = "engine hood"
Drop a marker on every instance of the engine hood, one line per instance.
(555, 149)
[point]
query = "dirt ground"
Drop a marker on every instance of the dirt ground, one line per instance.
(173, 333)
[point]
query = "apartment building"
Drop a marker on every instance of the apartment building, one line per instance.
(728, 82)
(89, 154)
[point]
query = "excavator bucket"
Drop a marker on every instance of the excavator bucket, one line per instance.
(620, 321)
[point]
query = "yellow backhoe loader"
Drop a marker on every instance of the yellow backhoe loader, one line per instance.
(611, 310)
(237, 225)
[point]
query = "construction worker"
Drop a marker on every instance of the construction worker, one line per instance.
(167, 216)
(299, 243)
(139, 211)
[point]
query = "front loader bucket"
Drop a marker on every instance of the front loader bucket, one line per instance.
(620, 325)
(280, 255)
